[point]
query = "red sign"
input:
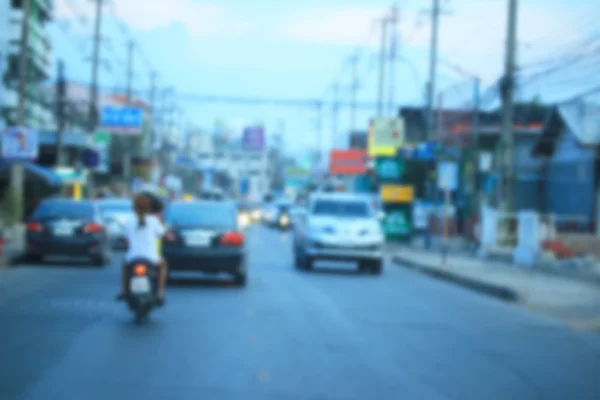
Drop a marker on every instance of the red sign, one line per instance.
(348, 162)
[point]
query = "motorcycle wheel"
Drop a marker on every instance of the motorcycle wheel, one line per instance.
(140, 316)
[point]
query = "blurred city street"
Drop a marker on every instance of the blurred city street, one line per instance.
(326, 334)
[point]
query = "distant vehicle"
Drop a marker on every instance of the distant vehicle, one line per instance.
(243, 213)
(116, 212)
(256, 212)
(339, 226)
(204, 236)
(268, 213)
(282, 218)
(67, 227)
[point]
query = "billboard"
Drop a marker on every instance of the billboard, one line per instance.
(20, 143)
(386, 136)
(122, 120)
(348, 162)
(358, 140)
(253, 138)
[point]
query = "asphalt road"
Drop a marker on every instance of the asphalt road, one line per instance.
(288, 335)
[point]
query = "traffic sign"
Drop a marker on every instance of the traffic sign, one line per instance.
(122, 120)
(90, 158)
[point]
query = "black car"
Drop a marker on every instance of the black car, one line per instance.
(66, 227)
(204, 236)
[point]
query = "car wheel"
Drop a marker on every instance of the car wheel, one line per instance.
(307, 263)
(100, 260)
(376, 267)
(241, 279)
(34, 258)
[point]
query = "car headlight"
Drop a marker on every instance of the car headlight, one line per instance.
(284, 220)
(243, 219)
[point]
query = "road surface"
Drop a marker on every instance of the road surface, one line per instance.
(288, 335)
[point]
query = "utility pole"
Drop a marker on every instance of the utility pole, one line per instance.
(508, 85)
(153, 78)
(392, 59)
(475, 132)
(353, 92)
(93, 108)
(334, 115)
(319, 129)
(60, 113)
(382, 59)
(129, 97)
(433, 61)
(17, 170)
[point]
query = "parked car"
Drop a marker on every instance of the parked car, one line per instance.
(339, 226)
(115, 212)
(67, 227)
(204, 236)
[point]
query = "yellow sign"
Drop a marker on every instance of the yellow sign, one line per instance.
(397, 193)
(386, 136)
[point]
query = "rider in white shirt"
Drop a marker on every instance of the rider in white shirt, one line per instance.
(142, 234)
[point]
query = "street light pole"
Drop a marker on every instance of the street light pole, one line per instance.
(17, 171)
(508, 104)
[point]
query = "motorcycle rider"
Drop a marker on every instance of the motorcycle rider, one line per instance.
(143, 235)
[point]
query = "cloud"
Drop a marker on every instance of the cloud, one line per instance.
(334, 26)
(199, 19)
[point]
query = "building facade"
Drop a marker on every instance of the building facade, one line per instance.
(37, 106)
(251, 171)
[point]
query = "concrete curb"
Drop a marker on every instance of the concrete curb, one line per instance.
(490, 289)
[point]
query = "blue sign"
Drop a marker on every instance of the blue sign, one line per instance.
(122, 119)
(90, 158)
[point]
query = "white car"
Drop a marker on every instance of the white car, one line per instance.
(340, 226)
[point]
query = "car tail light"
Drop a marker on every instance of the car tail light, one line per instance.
(232, 239)
(140, 270)
(171, 236)
(92, 228)
(34, 227)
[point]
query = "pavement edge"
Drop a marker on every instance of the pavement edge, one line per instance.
(500, 292)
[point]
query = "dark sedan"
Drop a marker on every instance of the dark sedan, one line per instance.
(204, 236)
(66, 227)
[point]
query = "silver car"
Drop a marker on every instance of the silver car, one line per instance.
(115, 211)
(339, 226)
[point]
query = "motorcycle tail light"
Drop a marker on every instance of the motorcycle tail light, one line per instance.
(140, 270)
(171, 236)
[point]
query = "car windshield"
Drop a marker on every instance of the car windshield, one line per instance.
(341, 208)
(208, 215)
(284, 207)
(64, 209)
(114, 207)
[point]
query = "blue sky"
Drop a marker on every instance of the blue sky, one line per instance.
(296, 49)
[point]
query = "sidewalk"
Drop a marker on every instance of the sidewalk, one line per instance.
(575, 302)
(13, 248)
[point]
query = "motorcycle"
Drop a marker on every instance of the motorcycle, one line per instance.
(143, 283)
